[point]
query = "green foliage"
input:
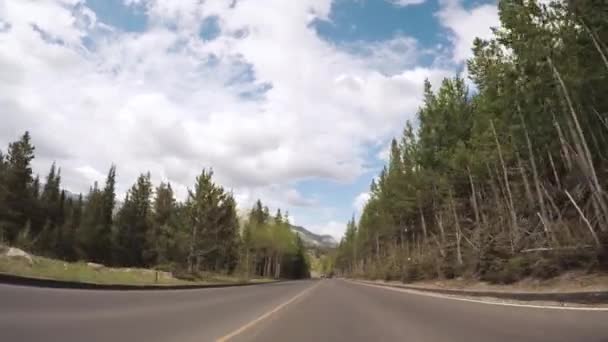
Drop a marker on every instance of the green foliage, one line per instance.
(212, 216)
(198, 238)
(95, 234)
(133, 224)
(16, 195)
(479, 188)
(270, 249)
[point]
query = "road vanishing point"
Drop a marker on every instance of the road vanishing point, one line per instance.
(325, 310)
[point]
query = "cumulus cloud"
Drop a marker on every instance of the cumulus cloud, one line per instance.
(266, 102)
(360, 202)
(403, 3)
(333, 228)
(465, 24)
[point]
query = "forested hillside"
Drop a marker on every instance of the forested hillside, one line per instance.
(504, 178)
(150, 229)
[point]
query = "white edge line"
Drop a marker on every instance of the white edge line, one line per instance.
(436, 295)
(264, 316)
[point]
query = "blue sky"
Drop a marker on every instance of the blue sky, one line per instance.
(291, 102)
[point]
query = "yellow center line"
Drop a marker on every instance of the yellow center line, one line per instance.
(266, 315)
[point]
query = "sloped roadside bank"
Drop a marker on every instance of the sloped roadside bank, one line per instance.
(585, 298)
(20, 268)
(10, 279)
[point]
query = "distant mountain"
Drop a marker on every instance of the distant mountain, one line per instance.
(73, 196)
(311, 239)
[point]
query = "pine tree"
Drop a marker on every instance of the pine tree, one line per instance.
(214, 223)
(18, 181)
(162, 237)
(88, 231)
(108, 202)
(134, 221)
(300, 266)
(49, 214)
(3, 194)
(95, 237)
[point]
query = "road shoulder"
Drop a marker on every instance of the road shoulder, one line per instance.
(597, 300)
(11, 279)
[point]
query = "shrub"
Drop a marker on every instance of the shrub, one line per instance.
(516, 268)
(446, 270)
(545, 268)
(496, 271)
(576, 259)
(602, 259)
(411, 273)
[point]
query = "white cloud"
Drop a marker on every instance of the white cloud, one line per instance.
(467, 24)
(333, 228)
(167, 101)
(404, 3)
(385, 153)
(360, 202)
(389, 56)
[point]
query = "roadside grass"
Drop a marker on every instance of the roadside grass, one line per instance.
(82, 272)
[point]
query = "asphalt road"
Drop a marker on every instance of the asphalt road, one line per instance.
(327, 310)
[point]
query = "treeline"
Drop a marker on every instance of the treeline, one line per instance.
(507, 180)
(270, 248)
(149, 229)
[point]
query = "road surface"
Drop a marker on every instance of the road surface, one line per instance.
(327, 310)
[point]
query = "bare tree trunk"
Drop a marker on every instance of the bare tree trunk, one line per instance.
(515, 229)
(563, 144)
(423, 223)
(559, 215)
(441, 229)
(418, 250)
(458, 231)
(247, 263)
(548, 230)
(596, 43)
(473, 197)
(266, 272)
(524, 177)
(439, 246)
(584, 149)
(475, 206)
(555, 176)
(599, 117)
(401, 238)
(377, 247)
(191, 254)
(584, 218)
(596, 144)
(496, 194)
(535, 176)
(278, 269)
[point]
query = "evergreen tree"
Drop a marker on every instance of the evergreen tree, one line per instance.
(3, 194)
(490, 179)
(18, 181)
(134, 221)
(95, 238)
(49, 214)
(162, 237)
(87, 243)
(214, 223)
